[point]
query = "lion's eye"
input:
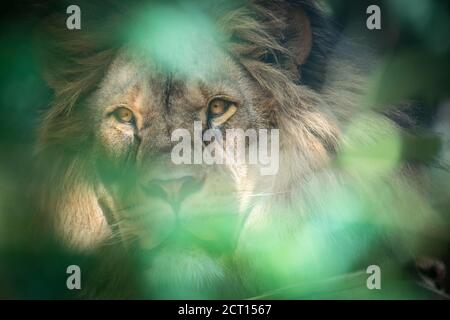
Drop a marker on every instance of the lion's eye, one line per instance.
(220, 110)
(123, 114)
(217, 107)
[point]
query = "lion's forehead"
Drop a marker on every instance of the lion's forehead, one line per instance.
(135, 80)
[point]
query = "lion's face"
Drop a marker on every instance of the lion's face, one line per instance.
(186, 213)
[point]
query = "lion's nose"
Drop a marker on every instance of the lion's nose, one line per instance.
(176, 190)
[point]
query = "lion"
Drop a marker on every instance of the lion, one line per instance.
(136, 72)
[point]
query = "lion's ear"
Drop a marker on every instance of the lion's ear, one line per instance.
(70, 57)
(299, 36)
(288, 22)
(56, 53)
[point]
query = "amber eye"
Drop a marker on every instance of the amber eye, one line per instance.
(123, 114)
(220, 110)
(217, 107)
